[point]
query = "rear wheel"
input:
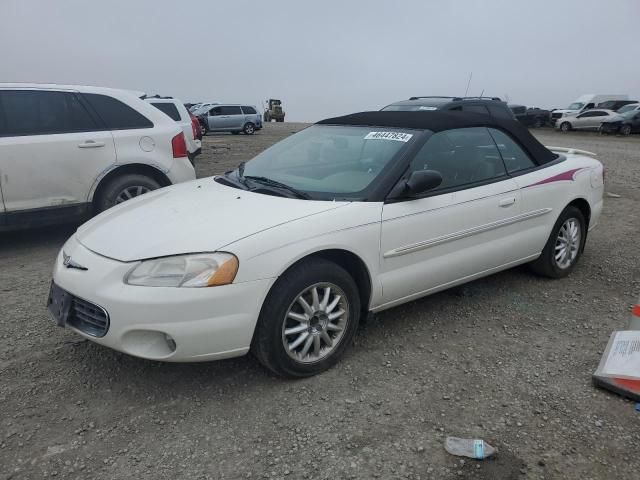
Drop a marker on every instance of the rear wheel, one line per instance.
(308, 319)
(249, 128)
(625, 130)
(564, 246)
(565, 127)
(124, 188)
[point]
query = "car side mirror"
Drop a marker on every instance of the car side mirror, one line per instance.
(420, 181)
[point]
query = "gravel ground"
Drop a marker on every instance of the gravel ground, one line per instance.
(507, 358)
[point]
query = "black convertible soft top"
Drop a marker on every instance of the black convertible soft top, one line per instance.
(437, 121)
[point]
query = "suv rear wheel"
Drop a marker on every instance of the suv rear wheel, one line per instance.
(124, 188)
(249, 128)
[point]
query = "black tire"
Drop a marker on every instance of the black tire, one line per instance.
(249, 128)
(280, 120)
(565, 127)
(112, 191)
(625, 130)
(547, 264)
(203, 130)
(268, 339)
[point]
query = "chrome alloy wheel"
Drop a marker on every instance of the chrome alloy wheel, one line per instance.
(315, 322)
(131, 192)
(567, 243)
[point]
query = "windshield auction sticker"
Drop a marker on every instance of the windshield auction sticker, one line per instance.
(396, 136)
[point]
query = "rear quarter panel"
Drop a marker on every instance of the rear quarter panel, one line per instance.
(556, 186)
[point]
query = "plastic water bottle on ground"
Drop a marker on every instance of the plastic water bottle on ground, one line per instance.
(468, 447)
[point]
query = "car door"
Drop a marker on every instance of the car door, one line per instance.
(214, 119)
(233, 116)
(594, 119)
(461, 230)
(52, 150)
(539, 195)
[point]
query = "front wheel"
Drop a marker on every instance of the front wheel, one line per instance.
(308, 319)
(565, 127)
(564, 246)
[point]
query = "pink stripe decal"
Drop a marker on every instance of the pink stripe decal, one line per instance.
(568, 176)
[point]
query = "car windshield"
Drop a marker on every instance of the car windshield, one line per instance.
(575, 106)
(628, 108)
(627, 114)
(326, 161)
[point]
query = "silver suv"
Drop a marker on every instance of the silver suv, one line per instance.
(234, 118)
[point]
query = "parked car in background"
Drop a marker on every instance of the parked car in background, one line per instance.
(588, 120)
(284, 255)
(177, 112)
(69, 151)
(629, 108)
(615, 105)
(583, 103)
(234, 118)
(622, 123)
(492, 106)
(530, 117)
(202, 108)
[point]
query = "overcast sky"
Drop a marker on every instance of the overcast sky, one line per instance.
(327, 57)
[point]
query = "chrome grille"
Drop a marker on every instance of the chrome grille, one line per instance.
(88, 318)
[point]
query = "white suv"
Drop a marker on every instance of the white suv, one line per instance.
(177, 112)
(69, 151)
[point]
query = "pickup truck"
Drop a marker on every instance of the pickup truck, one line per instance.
(531, 116)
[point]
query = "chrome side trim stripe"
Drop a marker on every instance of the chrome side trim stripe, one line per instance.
(464, 233)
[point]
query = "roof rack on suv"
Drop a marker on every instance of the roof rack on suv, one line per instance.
(153, 96)
(456, 99)
(480, 98)
(432, 96)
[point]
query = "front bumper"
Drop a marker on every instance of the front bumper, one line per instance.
(610, 127)
(157, 323)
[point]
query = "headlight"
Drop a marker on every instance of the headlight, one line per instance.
(193, 270)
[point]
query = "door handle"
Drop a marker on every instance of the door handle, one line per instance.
(507, 202)
(91, 144)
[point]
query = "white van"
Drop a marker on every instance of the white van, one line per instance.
(582, 103)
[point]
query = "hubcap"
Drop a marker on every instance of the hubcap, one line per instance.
(131, 192)
(248, 129)
(315, 323)
(567, 243)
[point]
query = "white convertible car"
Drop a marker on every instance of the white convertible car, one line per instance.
(355, 214)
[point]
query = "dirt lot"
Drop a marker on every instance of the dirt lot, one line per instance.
(507, 358)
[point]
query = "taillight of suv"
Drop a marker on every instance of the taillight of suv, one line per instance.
(195, 126)
(179, 146)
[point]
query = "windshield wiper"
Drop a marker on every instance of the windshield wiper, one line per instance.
(274, 183)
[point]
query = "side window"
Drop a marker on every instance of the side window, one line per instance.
(230, 110)
(514, 157)
(30, 112)
(168, 108)
(248, 110)
(475, 109)
(462, 156)
(215, 111)
(115, 114)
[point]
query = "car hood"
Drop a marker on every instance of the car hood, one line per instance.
(198, 216)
